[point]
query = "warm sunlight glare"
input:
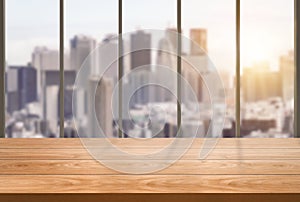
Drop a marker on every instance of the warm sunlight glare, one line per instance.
(253, 52)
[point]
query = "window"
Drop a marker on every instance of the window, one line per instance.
(267, 68)
(90, 25)
(260, 100)
(211, 24)
(32, 68)
(149, 104)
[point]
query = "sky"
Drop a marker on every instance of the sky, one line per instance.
(266, 25)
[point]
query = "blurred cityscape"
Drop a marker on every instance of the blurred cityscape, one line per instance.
(32, 91)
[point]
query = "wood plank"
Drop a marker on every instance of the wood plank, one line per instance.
(187, 167)
(150, 184)
(82, 154)
(234, 166)
(73, 143)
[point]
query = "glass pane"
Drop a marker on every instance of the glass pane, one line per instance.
(90, 26)
(149, 107)
(32, 61)
(210, 25)
(267, 62)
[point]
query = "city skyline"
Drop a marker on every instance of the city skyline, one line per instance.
(255, 90)
(266, 55)
(218, 17)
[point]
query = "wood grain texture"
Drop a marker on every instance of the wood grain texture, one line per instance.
(233, 166)
(217, 154)
(74, 143)
(188, 167)
(149, 183)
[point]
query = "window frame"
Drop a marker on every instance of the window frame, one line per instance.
(120, 69)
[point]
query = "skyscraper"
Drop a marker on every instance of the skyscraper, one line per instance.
(167, 57)
(287, 75)
(108, 57)
(172, 37)
(199, 37)
(100, 104)
(51, 79)
(46, 62)
(82, 55)
(21, 87)
(81, 47)
(52, 114)
(194, 68)
(140, 45)
(68, 101)
(44, 59)
(139, 81)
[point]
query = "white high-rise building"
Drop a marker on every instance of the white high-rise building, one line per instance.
(194, 69)
(82, 55)
(81, 47)
(100, 104)
(52, 108)
(108, 57)
(44, 59)
(167, 59)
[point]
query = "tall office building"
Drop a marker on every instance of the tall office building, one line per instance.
(83, 54)
(51, 79)
(100, 104)
(47, 61)
(81, 47)
(199, 37)
(140, 45)
(44, 59)
(108, 57)
(287, 75)
(194, 81)
(52, 114)
(12, 95)
(195, 70)
(139, 82)
(172, 37)
(21, 87)
(167, 58)
(27, 85)
(68, 102)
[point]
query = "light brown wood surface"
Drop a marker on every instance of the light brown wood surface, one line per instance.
(232, 166)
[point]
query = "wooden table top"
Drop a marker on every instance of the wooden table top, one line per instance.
(232, 166)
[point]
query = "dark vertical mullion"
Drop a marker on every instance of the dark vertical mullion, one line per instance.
(237, 76)
(179, 63)
(2, 69)
(297, 67)
(61, 68)
(120, 68)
